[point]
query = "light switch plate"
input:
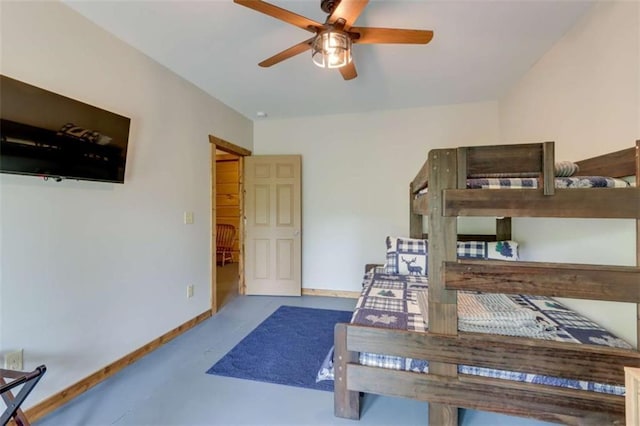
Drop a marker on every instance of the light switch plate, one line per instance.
(188, 218)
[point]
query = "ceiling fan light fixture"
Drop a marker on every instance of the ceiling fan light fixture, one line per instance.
(331, 49)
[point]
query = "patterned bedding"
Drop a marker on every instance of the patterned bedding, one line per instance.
(532, 183)
(561, 182)
(394, 301)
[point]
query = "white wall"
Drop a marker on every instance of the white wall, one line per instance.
(585, 95)
(356, 171)
(583, 92)
(92, 271)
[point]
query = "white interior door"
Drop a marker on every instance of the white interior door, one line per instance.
(273, 251)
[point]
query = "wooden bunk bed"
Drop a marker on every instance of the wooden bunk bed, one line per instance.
(445, 174)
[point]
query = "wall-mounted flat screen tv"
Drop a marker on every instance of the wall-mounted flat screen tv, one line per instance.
(53, 136)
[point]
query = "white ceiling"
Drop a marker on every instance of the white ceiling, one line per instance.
(480, 49)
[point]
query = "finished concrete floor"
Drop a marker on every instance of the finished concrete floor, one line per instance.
(170, 386)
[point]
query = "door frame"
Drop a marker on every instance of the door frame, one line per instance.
(230, 148)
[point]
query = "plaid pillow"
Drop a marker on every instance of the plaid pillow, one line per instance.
(406, 256)
(409, 256)
(471, 249)
(498, 250)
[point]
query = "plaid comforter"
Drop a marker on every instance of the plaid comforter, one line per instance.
(393, 301)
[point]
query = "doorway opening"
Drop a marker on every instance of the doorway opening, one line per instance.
(227, 224)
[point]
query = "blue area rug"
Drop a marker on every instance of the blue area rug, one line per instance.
(287, 348)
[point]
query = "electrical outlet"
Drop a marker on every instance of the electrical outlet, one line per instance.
(189, 291)
(13, 360)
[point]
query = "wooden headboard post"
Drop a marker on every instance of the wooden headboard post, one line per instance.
(418, 183)
(503, 229)
(415, 220)
(443, 308)
(548, 168)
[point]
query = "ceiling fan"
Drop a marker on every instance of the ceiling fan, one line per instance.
(332, 41)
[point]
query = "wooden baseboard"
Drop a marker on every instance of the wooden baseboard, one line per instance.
(330, 293)
(57, 400)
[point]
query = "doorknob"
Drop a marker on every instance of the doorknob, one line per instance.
(296, 233)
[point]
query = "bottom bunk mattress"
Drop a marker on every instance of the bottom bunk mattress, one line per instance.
(398, 302)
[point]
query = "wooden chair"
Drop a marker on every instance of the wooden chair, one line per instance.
(225, 237)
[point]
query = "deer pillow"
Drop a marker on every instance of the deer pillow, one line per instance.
(406, 256)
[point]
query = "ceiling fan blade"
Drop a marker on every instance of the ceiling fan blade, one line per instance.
(349, 71)
(370, 35)
(282, 14)
(287, 53)
(349, 10)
